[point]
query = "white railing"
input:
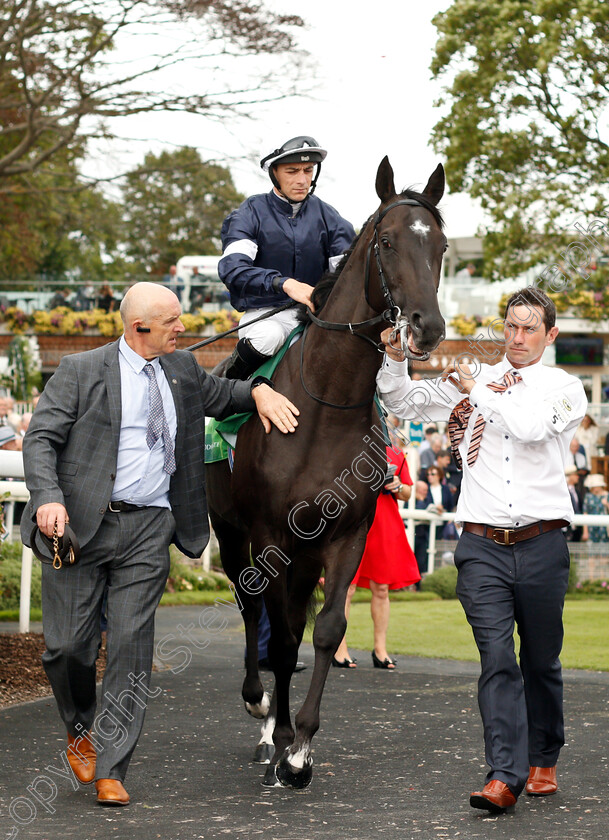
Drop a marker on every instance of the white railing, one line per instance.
(11, 467)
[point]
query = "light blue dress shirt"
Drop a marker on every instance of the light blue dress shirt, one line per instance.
(140, 478)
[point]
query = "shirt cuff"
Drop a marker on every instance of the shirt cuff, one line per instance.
(391, 366)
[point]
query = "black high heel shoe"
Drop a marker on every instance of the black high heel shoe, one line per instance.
(346, 663)
(388, 664)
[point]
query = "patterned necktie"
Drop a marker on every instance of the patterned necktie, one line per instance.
(157, 422)
(461, 413)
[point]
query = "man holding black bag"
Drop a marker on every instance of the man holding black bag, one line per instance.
(115, 448)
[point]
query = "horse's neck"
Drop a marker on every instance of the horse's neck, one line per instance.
(350, 364)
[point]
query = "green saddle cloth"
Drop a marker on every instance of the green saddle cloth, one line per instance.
(222, 434)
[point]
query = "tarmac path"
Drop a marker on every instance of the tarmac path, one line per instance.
(396, 756)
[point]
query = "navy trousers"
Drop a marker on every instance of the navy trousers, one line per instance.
(521, 705)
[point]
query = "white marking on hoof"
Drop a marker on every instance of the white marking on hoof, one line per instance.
(298, 759)
(419, 228)
(260, 710)
(266, 731)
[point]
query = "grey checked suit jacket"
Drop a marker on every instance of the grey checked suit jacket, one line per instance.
(70, 449)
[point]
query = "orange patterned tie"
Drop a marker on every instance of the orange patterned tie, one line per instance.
(459, 419)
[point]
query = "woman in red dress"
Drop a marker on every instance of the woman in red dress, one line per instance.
(387, 563)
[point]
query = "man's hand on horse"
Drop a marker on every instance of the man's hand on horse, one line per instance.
(300, 292)
(465, 381)
(274, 408)
(394, 352)
(47, 515)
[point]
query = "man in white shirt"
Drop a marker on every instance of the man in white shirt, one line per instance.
(512, 435)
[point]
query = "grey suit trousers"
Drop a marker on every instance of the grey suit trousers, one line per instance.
(130, 556)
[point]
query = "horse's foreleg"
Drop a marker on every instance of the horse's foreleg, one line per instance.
(295, 768)
(265, 748)
(283, 653)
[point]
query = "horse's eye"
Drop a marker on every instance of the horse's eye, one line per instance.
(446, 247)
(385, 243)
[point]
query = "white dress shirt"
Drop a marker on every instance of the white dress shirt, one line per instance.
(518, 477)
(140, 477)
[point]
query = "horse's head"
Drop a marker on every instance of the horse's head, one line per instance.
(408, 244)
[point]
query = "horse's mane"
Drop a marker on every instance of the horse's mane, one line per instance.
(329, 278)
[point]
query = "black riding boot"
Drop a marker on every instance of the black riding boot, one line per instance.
(244, 361)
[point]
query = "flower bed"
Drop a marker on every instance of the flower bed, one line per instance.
(64, 321)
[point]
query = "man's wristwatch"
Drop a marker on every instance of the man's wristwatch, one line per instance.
(261, 380)
(277, 284)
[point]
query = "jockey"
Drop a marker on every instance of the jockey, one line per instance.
(276, 246)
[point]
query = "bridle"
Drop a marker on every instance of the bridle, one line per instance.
(391, 315)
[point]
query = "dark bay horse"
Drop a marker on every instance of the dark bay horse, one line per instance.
(304, 502)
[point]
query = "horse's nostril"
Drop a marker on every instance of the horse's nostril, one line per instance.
(416, 321)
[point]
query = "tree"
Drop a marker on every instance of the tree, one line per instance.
(526, 105)
(174, 205)
(59, 234)
(59, 85)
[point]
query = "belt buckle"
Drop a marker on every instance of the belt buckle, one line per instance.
(506, 535)
(112, 509)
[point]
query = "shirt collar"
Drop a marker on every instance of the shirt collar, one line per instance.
(530, 373)
(134, 359)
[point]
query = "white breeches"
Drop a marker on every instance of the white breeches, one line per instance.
(269, 335)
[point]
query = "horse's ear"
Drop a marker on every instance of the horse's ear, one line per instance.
(385, 187)
(435, 186)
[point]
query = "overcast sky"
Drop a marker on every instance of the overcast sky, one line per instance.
(373, 97)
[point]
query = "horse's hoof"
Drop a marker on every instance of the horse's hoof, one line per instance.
(263, 754)
(270, 777)
(259, 710)
(295, 771)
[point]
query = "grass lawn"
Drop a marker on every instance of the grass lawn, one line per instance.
(440, 629)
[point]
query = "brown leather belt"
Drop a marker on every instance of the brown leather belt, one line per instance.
(509, 536)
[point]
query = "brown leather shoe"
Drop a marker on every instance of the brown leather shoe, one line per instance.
(111, 792)
(82, 756)
(542, 781)
(494, 797)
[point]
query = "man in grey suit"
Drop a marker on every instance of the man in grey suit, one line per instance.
(115, 448)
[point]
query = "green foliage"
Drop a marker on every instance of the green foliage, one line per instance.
(523, 128)
(443, 582)
(24, 367)
(10, 577)
(590, 587)
(175, 204)
(183, 578)
(573, 584)
(51, 225)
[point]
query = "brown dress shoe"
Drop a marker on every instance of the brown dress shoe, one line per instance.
(542, 781)
(81, 755)
(111, 792)
(494, 797)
